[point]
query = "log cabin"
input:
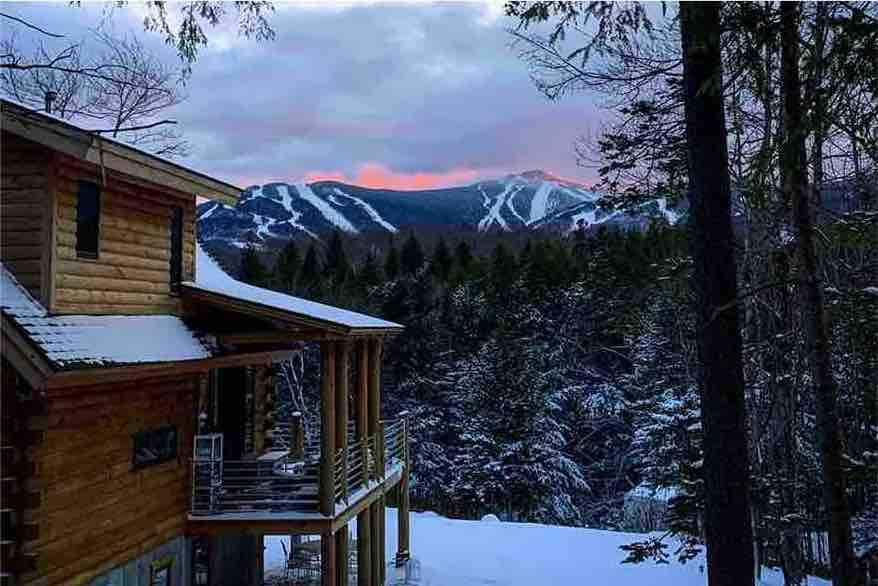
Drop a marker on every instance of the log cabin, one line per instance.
(138, 385)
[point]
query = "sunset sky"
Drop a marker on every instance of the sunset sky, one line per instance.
(386, 95)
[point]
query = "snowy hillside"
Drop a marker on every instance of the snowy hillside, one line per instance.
(529, 200)
(451, 552)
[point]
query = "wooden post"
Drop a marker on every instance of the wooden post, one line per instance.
(375, 400)
(327, 429)
(341, 408)
(402, 502)
(297, 436)
(377, 508)
(341, 552)
(341, 443)
(364, 519)
(328, 560)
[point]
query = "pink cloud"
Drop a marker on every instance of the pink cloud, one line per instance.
(380, 176)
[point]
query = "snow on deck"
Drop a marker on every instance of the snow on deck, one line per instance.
(212, 278)
(450, 552)
(98, 340)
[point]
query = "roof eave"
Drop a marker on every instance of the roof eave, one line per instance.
(98, 150)
(261, 310)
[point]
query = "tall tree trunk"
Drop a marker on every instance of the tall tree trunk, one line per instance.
(795, 185)
(728, 528)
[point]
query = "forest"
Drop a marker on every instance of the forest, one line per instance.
(715, 379)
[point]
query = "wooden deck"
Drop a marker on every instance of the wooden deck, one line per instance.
(281, 495)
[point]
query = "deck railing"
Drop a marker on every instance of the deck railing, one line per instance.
(290, 483)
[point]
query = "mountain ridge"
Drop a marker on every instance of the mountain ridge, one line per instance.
(530, 200)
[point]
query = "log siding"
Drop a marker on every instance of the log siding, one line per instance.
(95, 511)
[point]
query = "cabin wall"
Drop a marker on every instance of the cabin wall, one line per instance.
(24, 209)
(96, 512)
(132, 272)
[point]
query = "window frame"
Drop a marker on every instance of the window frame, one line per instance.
(82, 254)
(145, 437)
(175, 261)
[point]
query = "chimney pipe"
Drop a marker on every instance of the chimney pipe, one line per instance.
(50, 98)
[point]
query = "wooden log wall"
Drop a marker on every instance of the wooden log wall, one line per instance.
(24, 209)
(96, 512)
(132, 272)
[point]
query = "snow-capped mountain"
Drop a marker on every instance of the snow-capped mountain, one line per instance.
(525, 201)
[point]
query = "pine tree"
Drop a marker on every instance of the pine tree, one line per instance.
(412, 256)
(463, 256)
(391, 263)
(287, 268)
(336, 266)
(252, 269)
(442, 262)
(310, 279)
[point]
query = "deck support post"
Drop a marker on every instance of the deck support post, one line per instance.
(364, 519)
(402, 522)
(327, 428)
(328, 560)
(375, 429)
(341, 444)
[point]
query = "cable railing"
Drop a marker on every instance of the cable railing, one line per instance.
(288, 480)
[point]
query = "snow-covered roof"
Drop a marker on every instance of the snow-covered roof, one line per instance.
(76, 341)
(212, 279)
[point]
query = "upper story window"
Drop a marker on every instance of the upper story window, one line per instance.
(154, 446)
(88, 219)
(176, 273)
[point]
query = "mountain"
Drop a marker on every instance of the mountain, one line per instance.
(525, 201)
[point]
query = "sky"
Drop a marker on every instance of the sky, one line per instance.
(405, 96)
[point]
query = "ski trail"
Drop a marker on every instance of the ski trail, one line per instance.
(494, 213)
(287, 202)
(540, 201)
(511, 206)
(332, 215)
(373, 213)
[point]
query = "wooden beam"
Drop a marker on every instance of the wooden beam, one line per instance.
(328, 560)
(264, 337)
(364, 548)
(341, 552)
(93, 376)
(362, 399)
(327, 427)
(256, 525)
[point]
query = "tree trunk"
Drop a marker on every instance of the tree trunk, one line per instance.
(728, 527)
(795, 185)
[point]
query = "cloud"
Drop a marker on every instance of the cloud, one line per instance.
(373, 174)
(409, 94)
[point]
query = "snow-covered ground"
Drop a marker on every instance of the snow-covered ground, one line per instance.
(450, 552)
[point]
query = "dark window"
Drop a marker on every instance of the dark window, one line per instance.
(154, 446)
(176, 247)
(88, 219)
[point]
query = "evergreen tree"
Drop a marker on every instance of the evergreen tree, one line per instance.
(391, 263)
(370, 273)
(463, 256)
(287, 268)
(442, 263)
(336, 266)
(412, 257)
(311, 273)
(252, 270)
